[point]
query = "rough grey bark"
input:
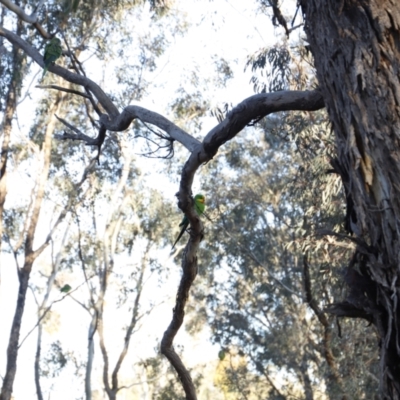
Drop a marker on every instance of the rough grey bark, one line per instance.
(356, 46)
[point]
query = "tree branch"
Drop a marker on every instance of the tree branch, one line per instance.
(251, 109)
(77, 136)
(123, 120)
(190, 271)
(69, 76)
(62, 89)
(30, 19)
(320, 314)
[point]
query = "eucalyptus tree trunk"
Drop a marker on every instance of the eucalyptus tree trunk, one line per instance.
(356, 46)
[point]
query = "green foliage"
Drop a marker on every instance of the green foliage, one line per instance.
(275, 61)
(273, 193)
(166, 384)
(270, 194)
(55, 360)
(268, 209)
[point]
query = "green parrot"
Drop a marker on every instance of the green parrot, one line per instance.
(199, 206)
(52, 52)
(65, 289)
(222, 355)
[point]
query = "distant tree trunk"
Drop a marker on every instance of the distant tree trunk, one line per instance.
(90, 357)
(30, 257)
(11, 104)
(12, 350)
(356, 46)
(13, 90)
(39, 392)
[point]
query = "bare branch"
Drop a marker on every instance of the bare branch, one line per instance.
(30, 19)
(257, 107)
(189, 274)
(80, 71)
(28, 89)
(251, 109)
(97, 141)
(47, 309)
(134, 319)
(69, 76)
(122, 122)
(62, 89)
(78, 136)
(168, 144)
(155, 379)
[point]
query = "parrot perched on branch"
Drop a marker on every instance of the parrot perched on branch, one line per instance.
(65, 289)
(199, 206)
(52, 52)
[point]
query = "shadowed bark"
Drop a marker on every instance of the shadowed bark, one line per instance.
(356, 46)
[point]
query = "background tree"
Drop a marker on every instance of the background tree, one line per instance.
(357, 80)
(269, 227)
(58, 192)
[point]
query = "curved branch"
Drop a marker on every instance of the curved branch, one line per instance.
(69, 76)
(123, 120)
(30, 19)
(257, 107)
(62, 89)
(253, 108)
(189, 274)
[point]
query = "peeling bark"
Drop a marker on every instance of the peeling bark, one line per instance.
(356, 46)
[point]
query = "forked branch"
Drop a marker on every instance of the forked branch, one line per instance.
(250, 110)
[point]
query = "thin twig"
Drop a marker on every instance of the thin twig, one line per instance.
(48, 309)
(62, 89)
